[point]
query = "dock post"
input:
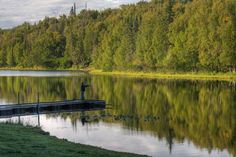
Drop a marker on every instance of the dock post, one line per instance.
(23, 100)
(38, 120)
(38, 110)
(18, 98)
(38, 104)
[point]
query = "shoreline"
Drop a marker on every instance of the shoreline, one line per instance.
(152, 75)
(36, 69)
(169, 75)
(19, 140)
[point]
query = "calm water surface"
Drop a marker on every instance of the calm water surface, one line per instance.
(162, 118)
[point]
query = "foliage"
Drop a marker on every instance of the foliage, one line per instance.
(179, 35)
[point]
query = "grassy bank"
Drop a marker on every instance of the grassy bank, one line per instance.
(170, 75)
(17, 140)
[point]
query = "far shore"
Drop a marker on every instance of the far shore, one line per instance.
(160, 75)
(171, 75)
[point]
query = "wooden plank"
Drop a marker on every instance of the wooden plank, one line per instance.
(67, 102)
(50, 107)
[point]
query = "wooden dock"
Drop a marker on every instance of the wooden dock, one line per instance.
(14, 110)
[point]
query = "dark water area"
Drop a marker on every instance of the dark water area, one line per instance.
(167, 118)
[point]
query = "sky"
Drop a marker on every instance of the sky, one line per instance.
(15, 12)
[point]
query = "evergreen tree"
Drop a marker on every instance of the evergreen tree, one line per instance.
(2, 58)
(10, 57)
(185, 35)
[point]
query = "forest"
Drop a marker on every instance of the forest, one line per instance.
(160, 35)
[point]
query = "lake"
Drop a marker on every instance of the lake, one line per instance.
(164, 118)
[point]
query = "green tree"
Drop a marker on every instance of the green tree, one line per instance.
(180, 35)
(2, 58)
(10, 57)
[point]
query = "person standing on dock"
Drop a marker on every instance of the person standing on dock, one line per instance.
(83, 87)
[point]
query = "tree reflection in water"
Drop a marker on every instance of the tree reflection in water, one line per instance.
(203, 112)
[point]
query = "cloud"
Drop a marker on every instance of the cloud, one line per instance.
(15, 12)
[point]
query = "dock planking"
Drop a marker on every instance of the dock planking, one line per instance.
(14, 110)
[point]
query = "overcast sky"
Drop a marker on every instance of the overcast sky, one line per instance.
(15, 12)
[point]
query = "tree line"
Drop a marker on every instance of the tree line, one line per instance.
(160, 35)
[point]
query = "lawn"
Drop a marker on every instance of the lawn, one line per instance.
(26, 141)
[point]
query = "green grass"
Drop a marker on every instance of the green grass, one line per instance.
(170, 75)
(20, 141)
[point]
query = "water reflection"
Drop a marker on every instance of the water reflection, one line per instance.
(156, 117)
